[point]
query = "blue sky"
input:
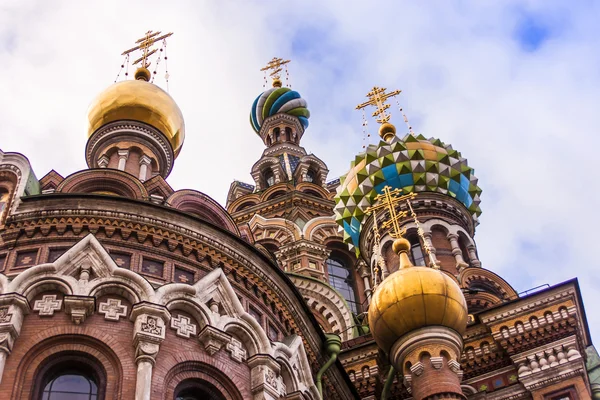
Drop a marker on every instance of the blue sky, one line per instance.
(513, 85)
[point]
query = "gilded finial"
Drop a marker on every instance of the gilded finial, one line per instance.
(377, 98)
(275, 65)
(145, 44)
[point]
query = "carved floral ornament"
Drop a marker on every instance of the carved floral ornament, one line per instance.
(231, 329)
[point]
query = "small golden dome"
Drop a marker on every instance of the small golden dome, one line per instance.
(141, 101)
(413, 298)
(387, 130)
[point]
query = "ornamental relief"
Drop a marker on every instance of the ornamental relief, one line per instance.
(47, 305)
(112, 309)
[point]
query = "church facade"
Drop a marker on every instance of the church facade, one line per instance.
(113, 285)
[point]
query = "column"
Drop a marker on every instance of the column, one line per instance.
(365, 273)
(123, 154)
(457, 252)
(144, 164)
(473, 256)
(13, 308)
(150, 321)
(265, 378)
(433, 259)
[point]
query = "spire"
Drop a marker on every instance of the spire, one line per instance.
(377, 98)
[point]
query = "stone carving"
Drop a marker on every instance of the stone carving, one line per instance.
(151, 326)
(213, 339)
(5, 316)
(47, 305)
(236, 350)
(271, 378)
(183, 326)
(79, 307)
(112, 309)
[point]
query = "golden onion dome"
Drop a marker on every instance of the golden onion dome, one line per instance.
(413, 298)
(138, 100)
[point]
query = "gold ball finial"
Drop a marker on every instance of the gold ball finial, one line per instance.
(401, 245)
(277, 82)
(142, 74)
(387, 131)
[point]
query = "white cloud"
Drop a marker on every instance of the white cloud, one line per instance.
(525, 120)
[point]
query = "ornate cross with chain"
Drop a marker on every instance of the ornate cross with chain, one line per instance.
(388, 200)
(275, 65)
(145, 44)
(377, 98)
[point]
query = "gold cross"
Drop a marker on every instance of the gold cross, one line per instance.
(145, 44)
(377, 98)
(275, 64)
(388, 200)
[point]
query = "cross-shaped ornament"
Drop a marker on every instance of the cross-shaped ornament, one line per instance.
(47, 305)
(112, 309)
(183, 326)
(377, 98)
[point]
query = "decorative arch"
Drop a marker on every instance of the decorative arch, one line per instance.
(89, 345)
(267, 163)
(318, 190)
(498, 287)
(198, 203)
(288, 230)
(321, 230)
(104, 180)
(327, 303)
(190, 370)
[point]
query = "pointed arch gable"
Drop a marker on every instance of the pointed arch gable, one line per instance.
(103, 270)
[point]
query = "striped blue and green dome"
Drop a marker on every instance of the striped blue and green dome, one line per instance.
(275, 101)
(413, 164)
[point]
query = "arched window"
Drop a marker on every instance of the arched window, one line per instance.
(311, 176)
(269, 178)
(340, 277)
(416, 251)
(288, 134)
(70, 378)
(196, 389)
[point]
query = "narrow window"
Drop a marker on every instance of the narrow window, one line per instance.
(340, 277)
(416, 251)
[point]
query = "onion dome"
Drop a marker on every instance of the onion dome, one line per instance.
(413, 298)
(278, 100)
(138, 100)
(413, 164)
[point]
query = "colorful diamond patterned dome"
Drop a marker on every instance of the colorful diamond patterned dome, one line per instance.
(278, 100)
(413, 164)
